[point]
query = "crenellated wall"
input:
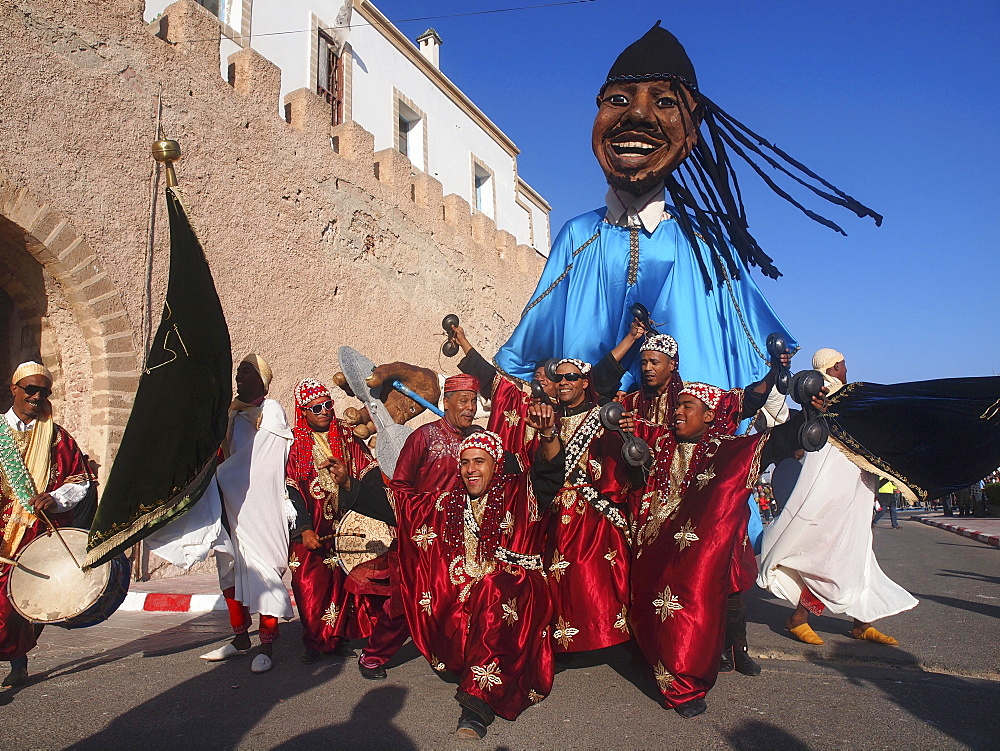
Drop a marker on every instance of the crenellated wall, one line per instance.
(314, 240)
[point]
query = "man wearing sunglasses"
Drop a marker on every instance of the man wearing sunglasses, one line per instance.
(586, 553)
(327, 466)
(44, 475)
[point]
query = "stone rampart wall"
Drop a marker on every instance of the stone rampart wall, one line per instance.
(314, 240)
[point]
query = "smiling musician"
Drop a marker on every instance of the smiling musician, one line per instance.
(42, 470)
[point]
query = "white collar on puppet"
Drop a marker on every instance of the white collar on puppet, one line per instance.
(627, 210)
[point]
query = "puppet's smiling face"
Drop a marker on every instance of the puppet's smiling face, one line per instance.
(642, 132)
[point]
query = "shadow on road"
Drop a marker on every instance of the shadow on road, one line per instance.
(983, 608)
(219, 707)
(972, 575)
(167, 642)
(962, 708)
(370, 726)
(755, 735)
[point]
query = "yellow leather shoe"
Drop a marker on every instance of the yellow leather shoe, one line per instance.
(805, 634)
(873, 634)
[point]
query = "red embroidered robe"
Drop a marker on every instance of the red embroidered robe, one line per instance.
(659, 409)
(328, 610)
(429, 459)
(586, 553)
(473, 610)
(691, 518)
(68, 465)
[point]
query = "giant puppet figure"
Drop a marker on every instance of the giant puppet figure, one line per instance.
(673, 235)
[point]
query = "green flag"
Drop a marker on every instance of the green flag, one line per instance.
(168, 452)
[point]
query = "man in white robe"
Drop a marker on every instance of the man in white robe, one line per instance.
(251, 549)
(817, 554)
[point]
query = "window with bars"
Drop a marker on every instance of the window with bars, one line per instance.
(330, 77)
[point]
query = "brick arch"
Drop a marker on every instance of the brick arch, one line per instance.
(96, 306)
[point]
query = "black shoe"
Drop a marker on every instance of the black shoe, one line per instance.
(15, 678)
(744, 663)
(692, 708)
(479, 708)
(376, 673)
(309, 656)
(726, 663)
(470, 726)
(345, 651)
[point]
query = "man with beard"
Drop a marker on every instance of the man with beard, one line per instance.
(692, 515)
(42, 473)
(472, 576)
(426, 463)
(586, 548)
(673, 231)
(326, 467)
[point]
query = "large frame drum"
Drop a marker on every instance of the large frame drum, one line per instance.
(48, 587)
(361, 539)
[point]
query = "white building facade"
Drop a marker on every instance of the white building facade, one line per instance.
(370, 73)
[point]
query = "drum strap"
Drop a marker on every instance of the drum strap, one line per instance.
(22, 486)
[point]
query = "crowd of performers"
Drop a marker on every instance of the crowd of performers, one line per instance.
(514, 544)
(537, 537)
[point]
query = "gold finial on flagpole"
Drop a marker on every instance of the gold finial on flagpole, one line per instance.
(166, 152)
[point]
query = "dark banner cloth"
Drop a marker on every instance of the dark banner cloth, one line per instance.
(934, 437)
(178, 420)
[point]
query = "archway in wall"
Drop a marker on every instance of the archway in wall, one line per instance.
(57, 305)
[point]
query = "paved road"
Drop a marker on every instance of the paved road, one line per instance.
(135, 682)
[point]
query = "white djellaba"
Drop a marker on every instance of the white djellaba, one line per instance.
(822, 539)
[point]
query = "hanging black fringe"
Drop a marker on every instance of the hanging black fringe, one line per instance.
(706, 192)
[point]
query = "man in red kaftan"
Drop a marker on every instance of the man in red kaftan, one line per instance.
(471, 576)
(689, 523)
(586, 551)
(426, 463)
(42, 470)
(325, 454)
(508, 403)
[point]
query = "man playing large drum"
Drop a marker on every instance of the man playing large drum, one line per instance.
(43, 473)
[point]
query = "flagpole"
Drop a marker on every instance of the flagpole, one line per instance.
(165, 151)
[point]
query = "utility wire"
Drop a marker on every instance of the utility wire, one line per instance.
(417, 18)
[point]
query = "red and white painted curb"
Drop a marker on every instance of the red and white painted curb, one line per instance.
(152, 602)
(972, 534)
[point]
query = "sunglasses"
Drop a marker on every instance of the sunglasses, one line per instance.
(571, 377)
(317, 409)
(44, 391)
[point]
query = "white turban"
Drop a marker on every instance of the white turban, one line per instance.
(826, 358)
(29, 368)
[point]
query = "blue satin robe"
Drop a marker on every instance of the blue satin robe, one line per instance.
(587, 313)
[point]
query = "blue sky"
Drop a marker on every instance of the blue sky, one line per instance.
(896, 103)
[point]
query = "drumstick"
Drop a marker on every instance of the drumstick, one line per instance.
(8, 561)
(59, 535)
(342, 534)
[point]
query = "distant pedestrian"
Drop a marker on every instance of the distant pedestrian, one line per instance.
(887, 499)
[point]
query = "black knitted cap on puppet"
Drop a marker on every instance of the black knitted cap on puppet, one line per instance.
(657, 56)
(704, 188)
